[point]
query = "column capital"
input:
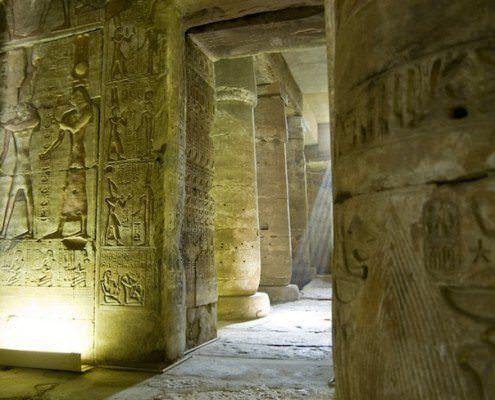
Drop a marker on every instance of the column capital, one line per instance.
(235, 81)
(236, 94)
(276, 89)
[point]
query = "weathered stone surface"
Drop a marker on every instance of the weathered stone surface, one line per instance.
(414, 293)
(237, 240)
(198, 223)
(271, 139)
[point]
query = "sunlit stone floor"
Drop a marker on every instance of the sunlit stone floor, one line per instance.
(284, 356)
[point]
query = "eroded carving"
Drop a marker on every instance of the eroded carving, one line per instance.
(442, 238)
(129, 205)
(407, 97)
(34, 264)
(124, 278)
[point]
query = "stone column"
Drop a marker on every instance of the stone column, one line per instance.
(302, 271)
(414, 268)
(273, 195)
(237, 240)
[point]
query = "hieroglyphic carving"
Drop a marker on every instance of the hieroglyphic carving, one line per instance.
(136, 48)
(442, 238)
(128, 199)
(46, 264)
(389, 105)
(126, 278)
(198, 222)
(130, 128)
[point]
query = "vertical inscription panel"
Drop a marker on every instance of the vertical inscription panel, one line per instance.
(49, 133)
(128, 312)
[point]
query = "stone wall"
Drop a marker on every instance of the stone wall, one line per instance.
(198, 224)
(414, 280)
(91, 179)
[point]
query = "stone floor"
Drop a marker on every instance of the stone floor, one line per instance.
(286, 355)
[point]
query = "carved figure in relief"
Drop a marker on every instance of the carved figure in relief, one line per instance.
(78, 270)
(45, 7)
(441, 220)
(45, 277)
(20, 130)
(133, 291)
(110, 288)
(73, 123)
(147, 119)
(45, 11)
(151, 41)
(116, 121)
(113, 221)
(14, 269)
(119, 39)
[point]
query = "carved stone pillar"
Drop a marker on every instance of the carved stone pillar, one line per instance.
(237, 241)
(302, 271)
(414, 268)
(273, 194)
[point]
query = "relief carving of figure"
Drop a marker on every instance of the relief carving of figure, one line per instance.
(110, 288)
(147, 119)
(45, 278)
(19, 130)
(73, 123)
(14, 269)
(116, 120)
(133, 291)
(113, 221)
(151, 40)
(45, 8)
(120, 37)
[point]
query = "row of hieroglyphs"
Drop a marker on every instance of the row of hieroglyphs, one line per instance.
(451, 84)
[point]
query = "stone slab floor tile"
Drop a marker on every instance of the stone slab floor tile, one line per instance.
(284, 356)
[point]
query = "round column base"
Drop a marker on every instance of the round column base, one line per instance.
(281, 294)
(243, 308)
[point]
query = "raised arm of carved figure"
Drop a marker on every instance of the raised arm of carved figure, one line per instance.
(55, 144)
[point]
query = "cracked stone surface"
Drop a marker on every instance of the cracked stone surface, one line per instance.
(286, 355)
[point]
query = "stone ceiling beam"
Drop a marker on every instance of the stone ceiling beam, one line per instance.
(202, 12)
(292, 28)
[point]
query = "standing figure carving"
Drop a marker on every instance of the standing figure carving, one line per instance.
(147, 122)
(45, 7)
(73, 123)
(120, 37)
(20, 130)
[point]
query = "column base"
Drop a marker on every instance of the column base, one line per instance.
(243, 308)
(281, 294)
